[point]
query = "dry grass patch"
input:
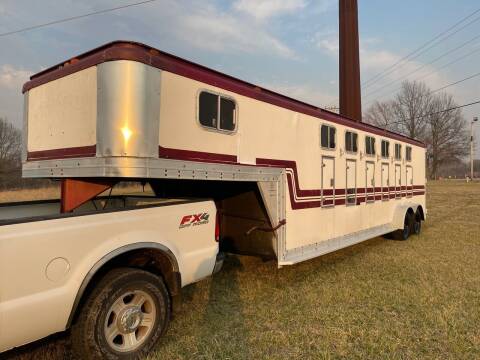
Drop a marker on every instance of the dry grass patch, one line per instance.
(382, 299)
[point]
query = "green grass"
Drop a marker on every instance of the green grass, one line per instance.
(382, 299)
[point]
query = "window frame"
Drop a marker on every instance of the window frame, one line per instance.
(381, 149)
(345, 139)
(399, 158)
(374, 146)
(336, 137)
(220, 96)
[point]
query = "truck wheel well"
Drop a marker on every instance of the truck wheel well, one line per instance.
(153, 260)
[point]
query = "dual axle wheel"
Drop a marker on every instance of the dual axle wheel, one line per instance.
(412, 224)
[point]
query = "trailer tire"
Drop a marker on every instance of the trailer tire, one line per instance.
(123, 317)
(417, 223)
(403, 234)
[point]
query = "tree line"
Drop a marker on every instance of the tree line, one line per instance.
(419, 113)
(10, 159)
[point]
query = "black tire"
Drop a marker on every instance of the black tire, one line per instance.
(417, 223)
(404, 233)
(89, 340)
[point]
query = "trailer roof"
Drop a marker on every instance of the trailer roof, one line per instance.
(134, 51)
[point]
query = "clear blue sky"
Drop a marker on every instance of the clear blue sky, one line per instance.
(288, 45)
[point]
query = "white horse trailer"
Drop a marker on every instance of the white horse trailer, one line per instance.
(290, 180)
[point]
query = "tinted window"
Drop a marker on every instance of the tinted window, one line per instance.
(327, 137)
(324, 136)
(385, 149)
(370, 145)
(332, 138)
(398, 151)
(408, 154)
(351, 140)
(227, 114)
(208, 109)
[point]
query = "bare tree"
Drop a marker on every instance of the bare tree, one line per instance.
(10, 142)
(446, 138)
(410, 104)
(381, 114)
(419, 114)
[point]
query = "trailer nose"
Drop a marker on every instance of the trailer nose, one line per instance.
(128, 109)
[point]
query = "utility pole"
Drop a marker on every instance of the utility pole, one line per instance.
(475, 119)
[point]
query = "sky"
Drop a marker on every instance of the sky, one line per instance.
(290, 46)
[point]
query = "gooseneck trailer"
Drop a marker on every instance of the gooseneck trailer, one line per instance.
(234, 168)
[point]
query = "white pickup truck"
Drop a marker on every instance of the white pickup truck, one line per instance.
(108, 270)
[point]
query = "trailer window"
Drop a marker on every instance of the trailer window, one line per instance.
(370, 145)
(385, 148)
(408, 153)
(328, 137)
(216, 111)
(398, 152)
(351, 142)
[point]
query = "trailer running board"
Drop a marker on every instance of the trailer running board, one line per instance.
(297, 255)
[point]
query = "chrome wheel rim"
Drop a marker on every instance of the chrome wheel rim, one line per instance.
(130, 321)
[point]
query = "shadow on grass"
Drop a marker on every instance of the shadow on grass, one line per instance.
(223, 320)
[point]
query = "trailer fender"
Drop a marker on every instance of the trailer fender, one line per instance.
(399, 214)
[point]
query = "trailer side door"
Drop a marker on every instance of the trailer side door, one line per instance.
(385, 181)
(398, 181)
(409, 178)
(328, 181)
(370, 181)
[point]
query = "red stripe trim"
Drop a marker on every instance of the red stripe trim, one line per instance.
(196, 156)
(125, 50)
(73, 152)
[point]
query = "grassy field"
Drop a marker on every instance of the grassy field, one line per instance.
(382, 299)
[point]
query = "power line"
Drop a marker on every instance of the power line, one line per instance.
(430, 73)
(75, 18)
(456, 83)
(437, 112)
(424, 65)
(389, 70)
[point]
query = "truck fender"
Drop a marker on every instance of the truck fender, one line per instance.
(399, 214)
(113, 254)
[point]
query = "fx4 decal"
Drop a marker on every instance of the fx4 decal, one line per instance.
(194, 220)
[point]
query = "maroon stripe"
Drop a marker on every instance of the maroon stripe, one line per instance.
(123, 50)
(189, 155)
(66, 153)
(292, 165)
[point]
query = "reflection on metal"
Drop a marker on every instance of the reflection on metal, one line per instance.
(128, 109)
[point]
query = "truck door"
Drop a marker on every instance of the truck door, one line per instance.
(398, 181)
(385, 181)
(351, 191)
(328, 181)
(370, 181)
(409, 178)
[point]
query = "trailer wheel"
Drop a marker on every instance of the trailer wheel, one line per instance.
(417, 223)
(123, 317)
(404, 233)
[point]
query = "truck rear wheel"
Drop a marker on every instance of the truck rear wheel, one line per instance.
(123, 317)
